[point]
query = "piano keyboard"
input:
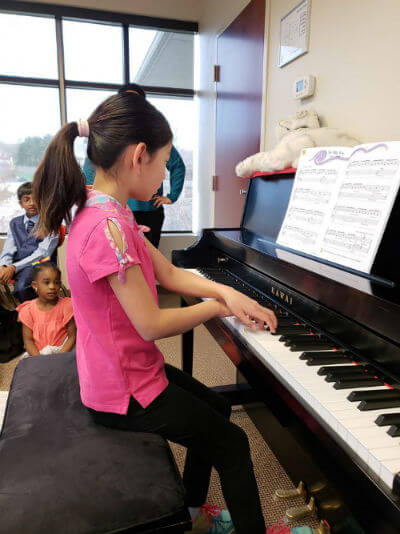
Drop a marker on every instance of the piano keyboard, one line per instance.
(357, 406)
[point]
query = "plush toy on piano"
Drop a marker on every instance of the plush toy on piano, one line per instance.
(300, 131)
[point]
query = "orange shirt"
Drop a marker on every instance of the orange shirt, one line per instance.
(49, 327)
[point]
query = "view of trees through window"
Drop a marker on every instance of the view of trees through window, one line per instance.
(31, 112)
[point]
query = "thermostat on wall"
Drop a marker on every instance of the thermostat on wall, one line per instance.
(304, 87)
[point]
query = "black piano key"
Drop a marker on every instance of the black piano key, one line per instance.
(334, 377)
(288, 339)
(352, 369)
(387, 419)
(289, 321)
(366, 405)
(313, 341)
(342, 368)
(361, 383)
(291, 329)
(308, 345)
(394, 431)
(319, 360)
(327, 356)
(299, 336)
(322, 353)
(377, 394)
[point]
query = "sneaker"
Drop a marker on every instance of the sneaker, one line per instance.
(212, 520)
(282, 528)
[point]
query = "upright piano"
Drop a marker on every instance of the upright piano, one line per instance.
(328, 383)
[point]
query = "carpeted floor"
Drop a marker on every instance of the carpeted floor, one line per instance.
(212, 367)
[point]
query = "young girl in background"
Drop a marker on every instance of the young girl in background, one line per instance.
(47, 322)
(112, 269)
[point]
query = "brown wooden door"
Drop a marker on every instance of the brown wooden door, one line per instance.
(239, 101)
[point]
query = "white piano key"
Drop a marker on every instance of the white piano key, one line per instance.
(389, 468)
(378, 456)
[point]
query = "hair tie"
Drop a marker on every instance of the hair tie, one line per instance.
(83, 127)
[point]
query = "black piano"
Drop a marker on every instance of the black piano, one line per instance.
(327, 385)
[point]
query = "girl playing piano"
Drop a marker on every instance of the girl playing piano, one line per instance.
(112, 269)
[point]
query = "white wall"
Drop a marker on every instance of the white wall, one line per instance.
(172, 9)
(355, 55)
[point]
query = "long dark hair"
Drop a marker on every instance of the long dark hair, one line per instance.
(118, 122)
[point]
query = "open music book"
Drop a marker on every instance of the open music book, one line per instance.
(341, 201)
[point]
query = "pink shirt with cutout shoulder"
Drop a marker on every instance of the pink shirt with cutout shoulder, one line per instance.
(114, 361)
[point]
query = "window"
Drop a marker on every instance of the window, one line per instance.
(58, 63)
(161, 58)
(92, 52)
(180, 114)
(29, 115)
(28, 46)
(28, 121)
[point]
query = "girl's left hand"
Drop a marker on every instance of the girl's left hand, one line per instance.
(248, 310)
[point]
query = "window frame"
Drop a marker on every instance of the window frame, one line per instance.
(77, 14)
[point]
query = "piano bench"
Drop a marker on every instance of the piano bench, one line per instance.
(60, 473)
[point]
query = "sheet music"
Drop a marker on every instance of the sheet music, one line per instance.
(313, 195)
(341, 201)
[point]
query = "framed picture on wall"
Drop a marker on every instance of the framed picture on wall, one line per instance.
(295, 30)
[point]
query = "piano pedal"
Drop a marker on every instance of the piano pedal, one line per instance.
(323, 528)
(298, 512)
(291, 493)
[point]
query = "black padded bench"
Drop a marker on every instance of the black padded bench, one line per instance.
(60, 473)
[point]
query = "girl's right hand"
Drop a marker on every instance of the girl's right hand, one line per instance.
(247, 310)
(222, 310)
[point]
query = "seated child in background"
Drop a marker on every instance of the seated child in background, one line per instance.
(22, 249)
(47, 322)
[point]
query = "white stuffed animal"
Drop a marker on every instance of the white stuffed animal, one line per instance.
(300, 131)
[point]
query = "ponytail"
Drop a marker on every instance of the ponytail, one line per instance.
(58, 182)
(118, 122)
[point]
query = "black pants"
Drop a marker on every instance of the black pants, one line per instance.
(22, 286)
(189, 413)
(154, 220)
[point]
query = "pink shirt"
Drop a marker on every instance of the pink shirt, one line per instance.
(49, 327)
(114, 361)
